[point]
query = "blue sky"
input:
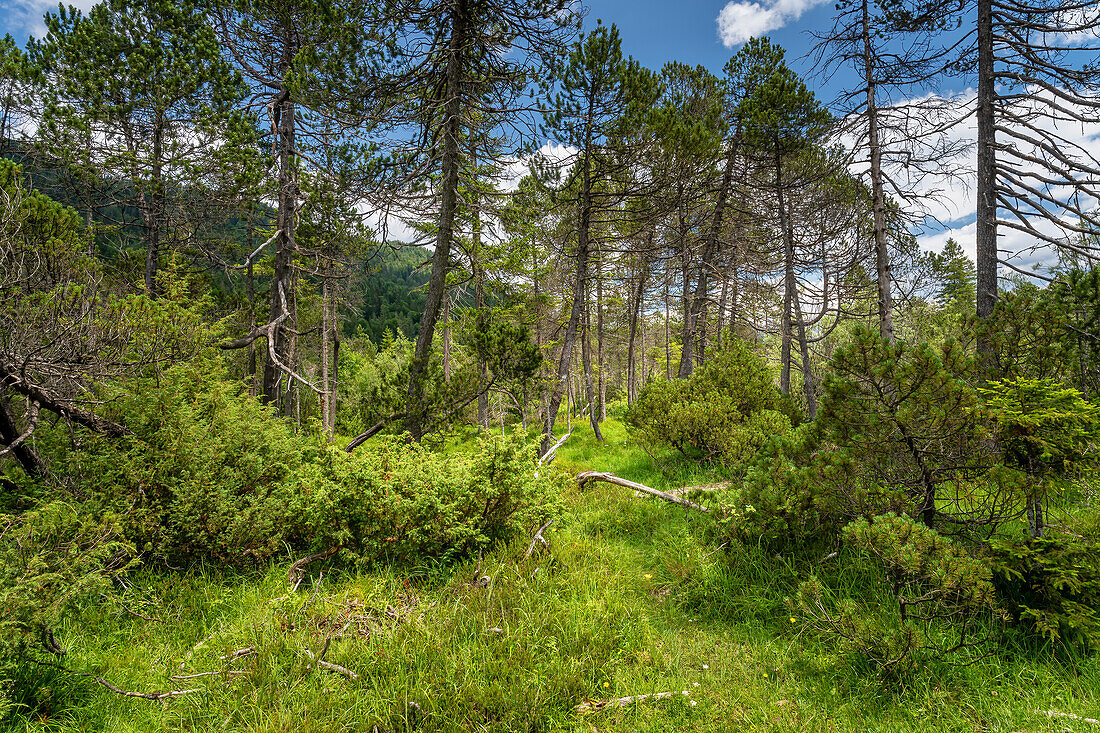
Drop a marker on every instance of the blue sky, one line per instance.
(657, 31)
(653, 31)
(703, 32)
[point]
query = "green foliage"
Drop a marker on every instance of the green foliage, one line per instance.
(259, 488)
(1051, 585)
(778, 504)
(908, 426)
(1043, 427)
(372, 381)
(942, 597)
(400, 502)
(55, 560)
(392, 295)
(205, 473)
(724, 412)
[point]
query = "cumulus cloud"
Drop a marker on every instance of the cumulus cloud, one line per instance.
(740, 21)
(25, 16)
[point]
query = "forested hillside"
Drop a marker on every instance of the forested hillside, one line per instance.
(436, 365)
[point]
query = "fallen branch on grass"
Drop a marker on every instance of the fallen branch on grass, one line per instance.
(248, 651)
(177, 678)
(620, 702)
(549, 454)
(701, 488)
(538, 536)
(142, 695)
(1070, 716)
(585, 476)
(294, 575)
(337, 668)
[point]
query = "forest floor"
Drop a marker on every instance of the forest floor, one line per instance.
(629, 599)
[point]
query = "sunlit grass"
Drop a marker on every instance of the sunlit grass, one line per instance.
(629, 599)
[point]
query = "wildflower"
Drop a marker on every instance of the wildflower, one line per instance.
(648, 576)
(794, 620)
(705, 667)
(694, 684)
(606, 685)
(693, 703)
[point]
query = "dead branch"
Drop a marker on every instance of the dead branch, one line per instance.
(1070, 716)
(538, 536)
(316, 587)
(294, 575)
(177, 678)
(620, 702)
(585, 476)
(10, 377)
(549, 454)
(142, 695)
(702, 488)
(248, 651)
(248, 260)
(32, 424)
(372, 431)
(337, 668)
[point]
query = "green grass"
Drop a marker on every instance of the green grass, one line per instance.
(629, 599)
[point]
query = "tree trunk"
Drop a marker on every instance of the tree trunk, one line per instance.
(286, 217)
(986, 225)
(710, 252)
(687, 328)
(152, 213)
(325, 396)
(635, 309)
(882, 255)
(789, 282)
(601, 357)
(416, 410)
(24, 453)
(447, 337)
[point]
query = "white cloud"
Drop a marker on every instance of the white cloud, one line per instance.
(740, 21)
(25, 16)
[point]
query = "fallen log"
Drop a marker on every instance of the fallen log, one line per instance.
(701, 488)
(585, 476)
(552, 450)
(621, 702)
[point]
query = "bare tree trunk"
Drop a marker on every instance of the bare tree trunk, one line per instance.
(808, 386)
(152, 204)
(447, 337)
(586, 359)
(335, 391)
(710, 252)
(565, 361)
(687, 309)
(24, 452)
(986, 225)
(721, 325)
(789, 282)
(668, 334)
(635, 309)
(601, 358)
(325, 396)
(882, 255)
(285, 243)
(416, 410)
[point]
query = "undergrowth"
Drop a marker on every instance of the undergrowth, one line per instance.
(630, 598)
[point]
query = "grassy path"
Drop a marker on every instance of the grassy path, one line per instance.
(629, 600)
